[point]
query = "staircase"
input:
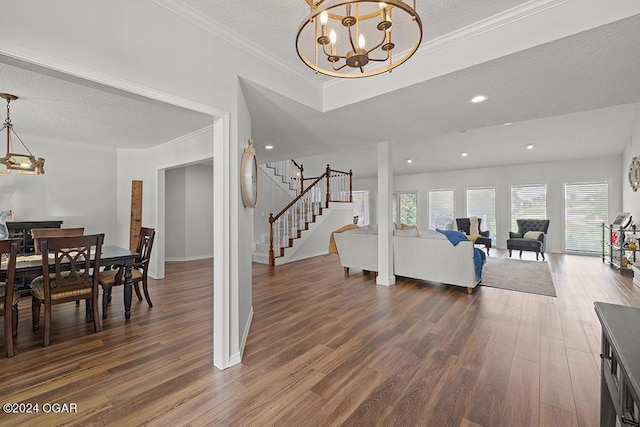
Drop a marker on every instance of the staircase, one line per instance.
(292, 225)
(291, 173)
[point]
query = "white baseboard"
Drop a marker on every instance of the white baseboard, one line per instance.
(237, 357)
(190, 258)
(245, 335)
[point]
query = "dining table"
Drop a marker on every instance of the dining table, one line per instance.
(29, 266)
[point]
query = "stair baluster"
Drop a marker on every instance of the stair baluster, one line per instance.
(290, 222)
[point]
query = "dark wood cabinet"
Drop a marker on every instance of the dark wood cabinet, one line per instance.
(620, 370)
(22, 230)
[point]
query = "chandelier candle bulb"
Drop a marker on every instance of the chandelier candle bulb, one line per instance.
(324, 18)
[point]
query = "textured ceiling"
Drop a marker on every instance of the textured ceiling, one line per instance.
(575, 97)
(271, 25)
(58, 107)
(584, 72)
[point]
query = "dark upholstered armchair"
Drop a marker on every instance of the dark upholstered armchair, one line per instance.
(464, 225)
(531, 236)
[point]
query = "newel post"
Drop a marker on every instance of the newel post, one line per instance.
(272, 258)
(301, 178)
(350, 185)
(328, 173)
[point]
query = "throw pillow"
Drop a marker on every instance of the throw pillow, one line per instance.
(532, 235)
(473, 226)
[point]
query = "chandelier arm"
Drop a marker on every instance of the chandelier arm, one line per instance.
(23, 144)
(353, 46)
(324, 50)
(384, 38)
(8, 137)
(382, 60)
(339, 68)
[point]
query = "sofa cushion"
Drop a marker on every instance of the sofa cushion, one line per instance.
(407, 232)
(524, 244)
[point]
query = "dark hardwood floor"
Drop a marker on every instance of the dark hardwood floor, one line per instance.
(324, 350)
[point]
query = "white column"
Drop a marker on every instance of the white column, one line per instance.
(385, 215)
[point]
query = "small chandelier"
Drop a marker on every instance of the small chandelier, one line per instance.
(356, 38)
(23, 163)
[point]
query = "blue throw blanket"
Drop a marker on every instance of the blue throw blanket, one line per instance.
(479, 257)
(454, 237)
(478, 261)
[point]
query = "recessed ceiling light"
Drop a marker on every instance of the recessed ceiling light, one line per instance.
(529, 146)
(268, 147)
(464, 154)
(409, 161)
(508, 124)
(478, 98)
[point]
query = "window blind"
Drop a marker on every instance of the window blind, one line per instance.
(586, 208)
(481, 203)
(528, 202)
(440, 208)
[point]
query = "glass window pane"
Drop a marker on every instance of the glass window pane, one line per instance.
(440, 208)
(408, 208)
(586, 208)
(361, 207)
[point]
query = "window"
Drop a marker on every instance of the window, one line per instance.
(361, 207)
(586, 207)
(481, 202)
(528, 201)
(440, 208)
(408, 212)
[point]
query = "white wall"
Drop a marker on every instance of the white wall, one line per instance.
(175, 213)
(631, 199)
(199, 212)
(189, 213)
(244, 228)
(271, 199)
(317, 242)
(554, 174)
(76, 188)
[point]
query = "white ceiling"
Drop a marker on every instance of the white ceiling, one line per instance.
(53, 106)
(575, 97)
(271, 25)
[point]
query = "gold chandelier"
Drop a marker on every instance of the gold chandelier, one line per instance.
(23, 163)
(358, 38)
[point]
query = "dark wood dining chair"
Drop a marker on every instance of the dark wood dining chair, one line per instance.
(9, 296)
(36, 233)
(67, 276)
(139, 271)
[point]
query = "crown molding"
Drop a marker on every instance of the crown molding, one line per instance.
(167, 144)
(92, 76)
(491, 23)
(232, 37)
(478, 28)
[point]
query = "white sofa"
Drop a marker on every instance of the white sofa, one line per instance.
(358, 248)
(429, 256)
